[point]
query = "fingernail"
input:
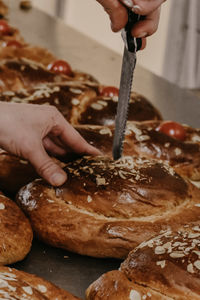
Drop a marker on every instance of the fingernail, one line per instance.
(136, 9)
(128, 3)
(57, 179)
(142, 35)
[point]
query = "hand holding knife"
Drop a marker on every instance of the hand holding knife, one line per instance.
(128, 65)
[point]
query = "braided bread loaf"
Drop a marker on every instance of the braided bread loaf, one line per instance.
(164, 267)
(20, 285)
(106, 208)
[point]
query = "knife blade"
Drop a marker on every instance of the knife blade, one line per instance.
(128, 65)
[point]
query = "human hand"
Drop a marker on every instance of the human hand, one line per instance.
(117, 11)
(32, 131)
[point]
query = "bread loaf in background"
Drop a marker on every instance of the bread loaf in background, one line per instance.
(24, 286)
(12, 34)
(34, 53)
(106, 208)
(102, 110)
(15, 232)
(144, 140)
(63, 96)
(164, 267)
(3, 9)
(16, 172)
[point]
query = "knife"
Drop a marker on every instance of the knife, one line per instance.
(128, 65)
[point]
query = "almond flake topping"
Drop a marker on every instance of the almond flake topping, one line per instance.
(134, 295)
(97, 106)
(190, 268)
(177, 254)
(2, 206)
(42, 288)
(89, 199)
(100, 181)
(160, 250)
(196, 138)
(161, 263)
(103, 103)
(197, 264)
(183, 244)
(75, 91)
(177, 151)
(106, 130)
(75, 101)
(28, 290)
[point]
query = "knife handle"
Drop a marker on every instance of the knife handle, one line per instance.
(133, 44)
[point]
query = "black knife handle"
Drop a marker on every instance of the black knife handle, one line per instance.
(133, 44)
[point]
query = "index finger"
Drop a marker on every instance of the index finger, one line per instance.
(71, 138)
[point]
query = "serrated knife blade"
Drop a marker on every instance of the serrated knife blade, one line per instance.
(128, 66)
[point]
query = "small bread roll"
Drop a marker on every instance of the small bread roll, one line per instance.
(15, 232)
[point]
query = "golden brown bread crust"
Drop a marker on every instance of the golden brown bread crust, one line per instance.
(15, 232)
(102, 110)
(143, 139)
(168, 263)
(76, 97)
(17, 74)
(34, 53)
(61, 95)
(22, 73)
(184, 156)
(39, 55)
(101, 137)
(20, 285)
(165, 267)
(114, 285)
(113, 204)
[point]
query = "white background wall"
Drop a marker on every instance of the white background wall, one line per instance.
(88, 17)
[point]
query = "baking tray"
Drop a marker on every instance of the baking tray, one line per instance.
(70, 271)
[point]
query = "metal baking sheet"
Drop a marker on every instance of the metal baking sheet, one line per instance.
(70, 271)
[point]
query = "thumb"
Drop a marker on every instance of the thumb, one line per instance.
(46, 167)
(117, 13)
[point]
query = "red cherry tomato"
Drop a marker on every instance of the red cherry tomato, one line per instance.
(4, 28)
(14, 44)
(60, 67)
(109, 91)
(173, 129)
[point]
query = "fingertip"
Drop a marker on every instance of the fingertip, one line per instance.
(114, 27)
(91, 150)
(144, 43)
(57, 178)
(118, 18)
(94, 151)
